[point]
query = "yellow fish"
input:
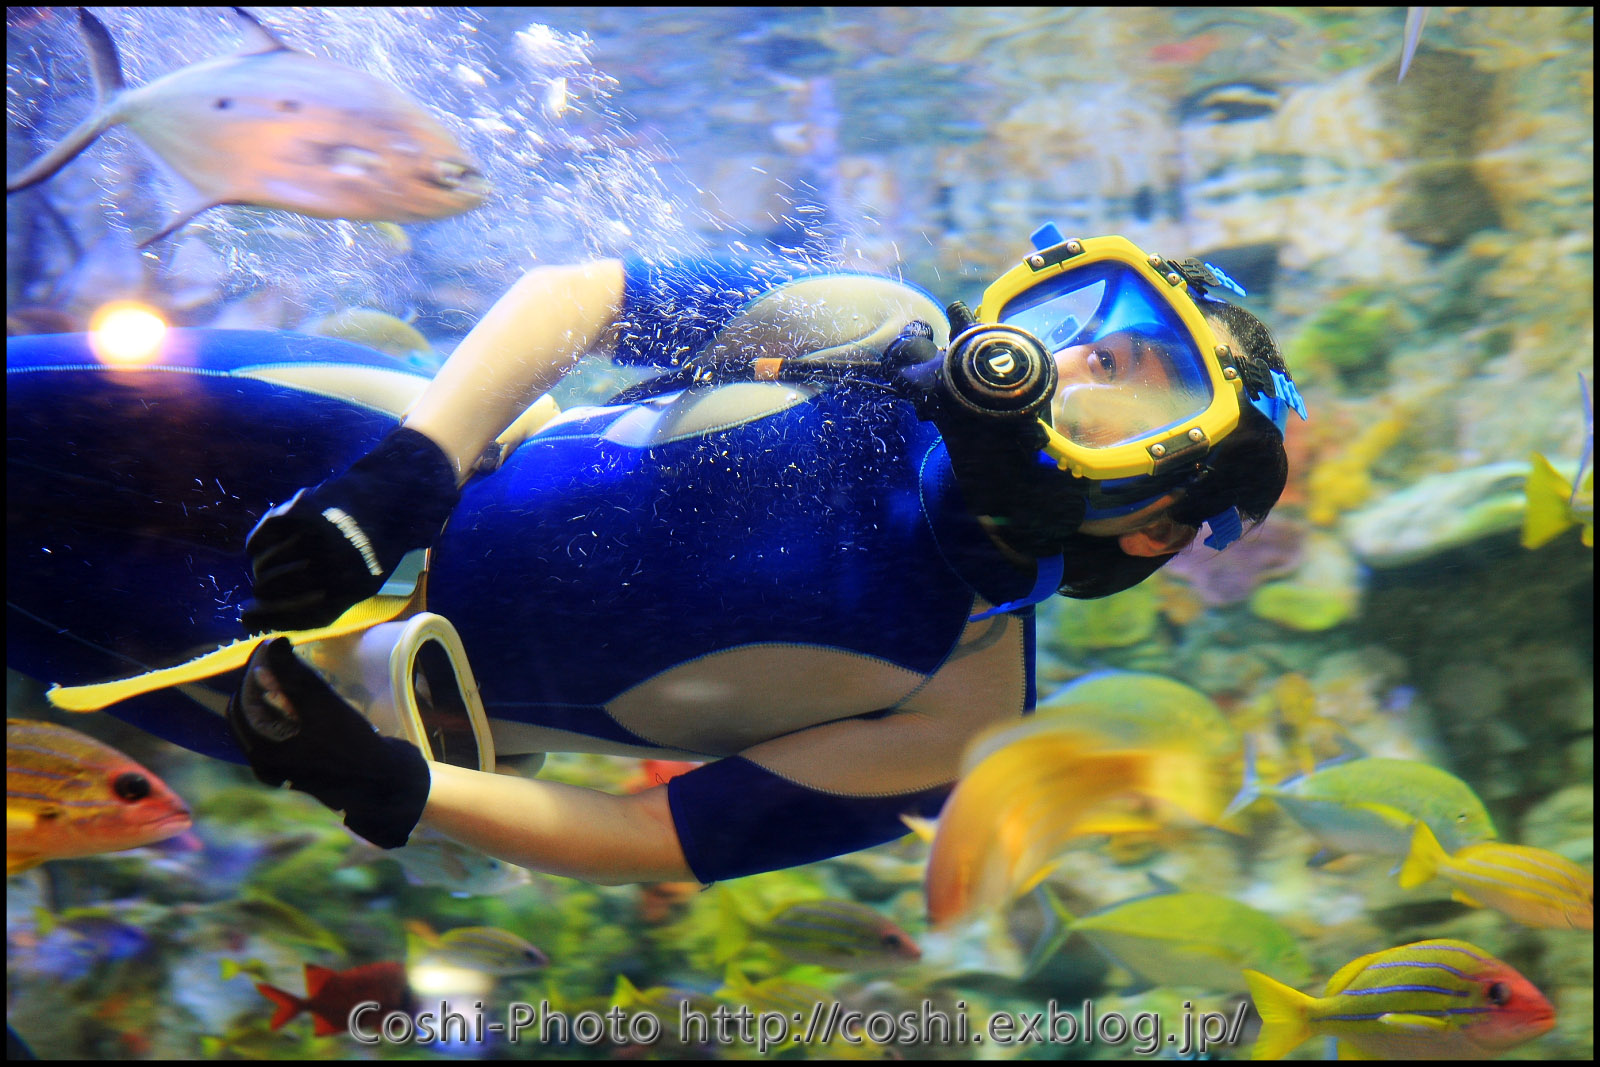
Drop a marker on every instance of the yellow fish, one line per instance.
(1034, 787)
(1534, 886)
(1555, 505)
(276, 128)
(1431, 1000)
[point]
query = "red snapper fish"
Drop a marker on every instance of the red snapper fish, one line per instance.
(273, 127)
(69, 795)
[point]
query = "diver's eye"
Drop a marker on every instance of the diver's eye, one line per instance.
(131, 786)
(1103, 363)
(1499, 993)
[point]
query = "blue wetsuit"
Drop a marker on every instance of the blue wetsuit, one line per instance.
(777, 578)
(769, 573)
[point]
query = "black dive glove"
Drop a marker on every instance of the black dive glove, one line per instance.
(331, 546)
(294, 728)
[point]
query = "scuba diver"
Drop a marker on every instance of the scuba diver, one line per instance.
(806, 552)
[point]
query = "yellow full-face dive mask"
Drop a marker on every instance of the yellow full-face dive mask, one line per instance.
(1142, 381)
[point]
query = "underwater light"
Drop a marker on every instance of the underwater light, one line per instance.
(440, 979)
(126, 333)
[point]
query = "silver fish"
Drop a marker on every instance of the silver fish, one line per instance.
(438, 861)
(273, 127)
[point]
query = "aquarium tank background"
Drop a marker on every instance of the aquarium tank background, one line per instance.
(1422, 249)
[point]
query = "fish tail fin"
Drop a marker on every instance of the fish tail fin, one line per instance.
(105, 66)
(1250, 789)
(733, 931)
(106, 69)
(1284, 1012)
(288, 1005)
(1549, 512)
(1422, 863)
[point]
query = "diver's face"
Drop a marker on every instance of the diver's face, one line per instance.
(1120, 359)
(1113, 389)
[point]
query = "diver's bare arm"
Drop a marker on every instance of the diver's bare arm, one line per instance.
(527, 341)
(558, 828)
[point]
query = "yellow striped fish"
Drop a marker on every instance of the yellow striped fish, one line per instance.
(840, 934)
(1534, 886)
(70, 795)
(1429, 1000)
(1028, 790)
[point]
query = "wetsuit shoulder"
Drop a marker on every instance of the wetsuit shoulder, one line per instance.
(672, 308)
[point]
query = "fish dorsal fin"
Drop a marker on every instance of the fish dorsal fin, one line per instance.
(625, 995)
(316, 978)
(1347, 974)
(257, 38)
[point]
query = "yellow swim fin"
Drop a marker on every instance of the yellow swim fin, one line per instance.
(362, 616)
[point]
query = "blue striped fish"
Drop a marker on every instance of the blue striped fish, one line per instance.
(1435, 999)
(1534, 886)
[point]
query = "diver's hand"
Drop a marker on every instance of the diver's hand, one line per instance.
(295, 728)
(332, 545)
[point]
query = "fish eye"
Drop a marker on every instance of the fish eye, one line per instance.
(288, 105)
(131, 786)
(1499, 993)
(223, 103)
(450, 174)
(1461, 816)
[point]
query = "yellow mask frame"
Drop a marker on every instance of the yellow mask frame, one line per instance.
(1159, 451)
